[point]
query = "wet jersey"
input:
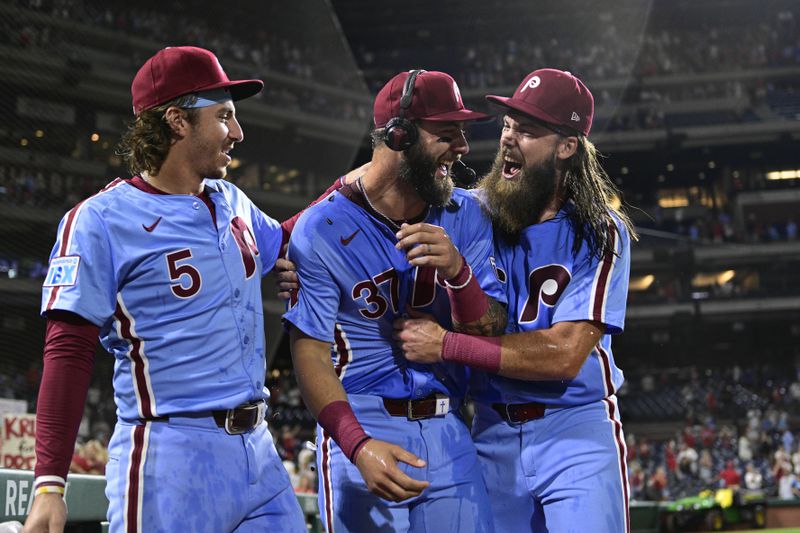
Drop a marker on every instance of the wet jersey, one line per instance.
(177, 297)
(547, 283)
(354, 283)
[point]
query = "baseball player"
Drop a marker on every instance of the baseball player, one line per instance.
(165, 268)
(393, 452)
(547, 425)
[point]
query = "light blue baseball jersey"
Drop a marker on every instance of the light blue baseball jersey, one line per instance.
(354, 283)
(177, 298)
(545, 284)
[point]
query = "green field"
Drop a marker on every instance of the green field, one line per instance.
(778, 530)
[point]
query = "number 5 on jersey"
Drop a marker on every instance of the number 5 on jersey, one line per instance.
(183, 274)
(187, 279)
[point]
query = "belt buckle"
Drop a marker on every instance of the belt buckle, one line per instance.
(410, 411)
(232, 429)
(508, 414)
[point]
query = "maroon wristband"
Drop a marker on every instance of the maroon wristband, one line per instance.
(338, 419)
(482, 353)
(468, 302)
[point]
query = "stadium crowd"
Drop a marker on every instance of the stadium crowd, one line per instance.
(737, 429)
(613, 55)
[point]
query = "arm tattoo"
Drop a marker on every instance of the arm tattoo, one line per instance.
(491, 324)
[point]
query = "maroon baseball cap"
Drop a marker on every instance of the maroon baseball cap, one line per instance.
(178, 70)
(435, 97)
(554, 96)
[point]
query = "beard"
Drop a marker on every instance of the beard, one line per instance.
(519, 203)
(418, 169)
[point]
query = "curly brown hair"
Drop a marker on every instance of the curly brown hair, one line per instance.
(595, 197)
(145, 144)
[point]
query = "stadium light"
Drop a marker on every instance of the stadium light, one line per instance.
(783, 174)
(641, 283)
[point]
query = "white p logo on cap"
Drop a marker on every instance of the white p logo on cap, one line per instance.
(532, 83)
(456, 92)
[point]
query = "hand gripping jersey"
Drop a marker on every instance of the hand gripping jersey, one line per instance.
(546, 283)
(354, 283)
(177, 298)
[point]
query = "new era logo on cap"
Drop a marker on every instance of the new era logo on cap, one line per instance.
(436, 97)
(554, 96)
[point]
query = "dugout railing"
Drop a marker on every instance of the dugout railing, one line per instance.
(87, 503)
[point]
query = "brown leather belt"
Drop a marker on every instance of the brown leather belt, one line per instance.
(236, 421)
(241, 418)
(433, 405)
(517, 413)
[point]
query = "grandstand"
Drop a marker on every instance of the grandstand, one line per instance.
(698, 115)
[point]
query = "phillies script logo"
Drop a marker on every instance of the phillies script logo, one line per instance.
(532, 83)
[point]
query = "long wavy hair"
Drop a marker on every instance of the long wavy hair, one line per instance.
(145, 144)
(594, 197)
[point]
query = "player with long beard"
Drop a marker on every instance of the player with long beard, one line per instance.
(393, 452)
(547, 426)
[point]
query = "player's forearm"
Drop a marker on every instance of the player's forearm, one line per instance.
(473, 312)
(324, 395)
(557, 353)
(318, 382)
(541, 355)
(68, 360)
(491, 324)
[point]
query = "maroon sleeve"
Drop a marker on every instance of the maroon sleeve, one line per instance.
(69, 348)
(288, 225)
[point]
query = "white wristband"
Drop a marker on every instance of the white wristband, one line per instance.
(456, 287)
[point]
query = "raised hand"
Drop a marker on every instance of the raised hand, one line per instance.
(429, 245)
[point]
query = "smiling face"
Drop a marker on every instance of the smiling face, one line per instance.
(523, 180)
(426, 165)
(212, 136)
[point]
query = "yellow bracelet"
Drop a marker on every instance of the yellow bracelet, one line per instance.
(48, 489)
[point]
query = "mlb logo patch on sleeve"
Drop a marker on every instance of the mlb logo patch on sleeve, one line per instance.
(63, 271)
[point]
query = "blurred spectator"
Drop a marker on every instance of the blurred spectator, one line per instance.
(753, 480)
(657, 484)
(788, 484)
(730, 477)
(306, 471)
(89, 458)
(291, 469)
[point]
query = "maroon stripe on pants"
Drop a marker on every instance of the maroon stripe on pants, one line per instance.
(622, 461)
(132, 511)
(327, 485)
